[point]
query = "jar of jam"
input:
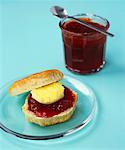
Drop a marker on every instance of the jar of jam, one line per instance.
(84, 48)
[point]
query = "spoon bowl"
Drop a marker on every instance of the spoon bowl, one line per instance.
(59, 12)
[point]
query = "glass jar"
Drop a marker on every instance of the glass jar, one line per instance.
(84, 48)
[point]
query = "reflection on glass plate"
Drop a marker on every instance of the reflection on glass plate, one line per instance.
(12, 118)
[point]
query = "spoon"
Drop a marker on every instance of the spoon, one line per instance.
(62, 13)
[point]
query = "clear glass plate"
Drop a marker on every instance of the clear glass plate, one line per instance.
(12, 118)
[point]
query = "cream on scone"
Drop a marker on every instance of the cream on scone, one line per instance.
(49, 102)
(48, 94)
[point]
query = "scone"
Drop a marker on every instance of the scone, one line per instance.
(49, 102)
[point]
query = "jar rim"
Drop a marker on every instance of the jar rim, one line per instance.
(87, 15)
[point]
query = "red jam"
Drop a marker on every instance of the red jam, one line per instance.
(46, 111)
(84, 48)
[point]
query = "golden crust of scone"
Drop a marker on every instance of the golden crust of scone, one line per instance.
(34, 81)
(62, 117)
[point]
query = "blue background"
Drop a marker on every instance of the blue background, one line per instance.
(30, 41)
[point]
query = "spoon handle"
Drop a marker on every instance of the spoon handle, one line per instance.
(91, 26)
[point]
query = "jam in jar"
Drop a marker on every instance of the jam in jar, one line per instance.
(84, 48)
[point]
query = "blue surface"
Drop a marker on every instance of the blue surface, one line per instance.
(30, 41)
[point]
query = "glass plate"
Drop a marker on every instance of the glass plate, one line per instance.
(12, 118)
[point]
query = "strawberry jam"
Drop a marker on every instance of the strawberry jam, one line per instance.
(46, 111)
(84, 48)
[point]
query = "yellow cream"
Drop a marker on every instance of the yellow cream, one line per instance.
(48, 94)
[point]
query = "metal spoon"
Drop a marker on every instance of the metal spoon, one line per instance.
(62, 13)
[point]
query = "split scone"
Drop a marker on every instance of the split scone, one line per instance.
(49, 102)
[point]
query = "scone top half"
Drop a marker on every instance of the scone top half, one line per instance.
(35, 81)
